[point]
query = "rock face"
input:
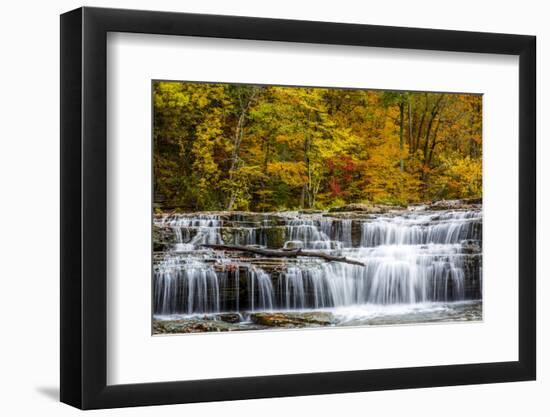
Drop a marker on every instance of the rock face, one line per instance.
(364, 208)
(464, 204)
(163, 239)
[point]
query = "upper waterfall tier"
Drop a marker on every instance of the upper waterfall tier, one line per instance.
(320, 230)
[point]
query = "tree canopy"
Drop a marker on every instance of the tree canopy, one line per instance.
(267, 148)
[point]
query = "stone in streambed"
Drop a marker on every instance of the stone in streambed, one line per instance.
(294, 244)
(229, 317)
(189, 326)
(293, 320)
(198, 325)
(471, 246)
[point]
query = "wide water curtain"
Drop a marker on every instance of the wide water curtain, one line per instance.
(409, 257)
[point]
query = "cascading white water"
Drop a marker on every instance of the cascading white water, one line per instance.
(245, 236)
(414, 229)
(412, 258)
(260, 290)
(393, 275)
(345, 233)
(417, 257)
(191, 231)
(185, 286)
(306, 233)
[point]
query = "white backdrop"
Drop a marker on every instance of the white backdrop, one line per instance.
(134, 60)
(30, 220)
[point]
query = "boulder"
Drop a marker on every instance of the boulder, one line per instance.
(293, 320)
(463, 204)
(199, 325)
(365, 208)
(229, 317)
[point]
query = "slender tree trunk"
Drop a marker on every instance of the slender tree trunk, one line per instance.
(410, 127)
(305, 188)
(235, 156)
(266, 154)
(427, 158)
(401, 139)
(427, 139)
(421, 125)
(231, 201)
(237, 140)
(434, 113)
(434, 142)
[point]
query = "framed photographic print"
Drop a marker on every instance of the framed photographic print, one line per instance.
(256, 208)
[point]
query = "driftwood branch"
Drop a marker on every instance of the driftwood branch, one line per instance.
(284, 253)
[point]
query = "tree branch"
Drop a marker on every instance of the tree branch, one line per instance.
(285, 253)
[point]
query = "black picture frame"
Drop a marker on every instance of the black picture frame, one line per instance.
(84, 207)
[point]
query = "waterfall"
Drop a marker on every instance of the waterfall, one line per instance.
(185, 286)
(306, 233)
(410, 257)
(244, 236)
(191, 231)
(260, 290)
(192, 286)
(412, 229)
(393, 275)
(316, 232)
(345, 232)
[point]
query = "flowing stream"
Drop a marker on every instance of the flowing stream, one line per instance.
(415, 261)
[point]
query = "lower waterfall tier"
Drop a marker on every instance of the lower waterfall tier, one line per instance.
(392, 275)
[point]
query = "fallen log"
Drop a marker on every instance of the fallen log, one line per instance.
(285, 253)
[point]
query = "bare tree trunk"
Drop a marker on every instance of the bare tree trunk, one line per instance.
(401, 139)
(434, 113)
(434, 142)
(410, 127)
(420, 125)
(237, 140)
(305, 188)
(285, 253)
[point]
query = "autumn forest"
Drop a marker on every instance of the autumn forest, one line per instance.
(270, 148)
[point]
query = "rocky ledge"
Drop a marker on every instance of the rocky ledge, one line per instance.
(462, 204)
(199, 325)
(228, 322)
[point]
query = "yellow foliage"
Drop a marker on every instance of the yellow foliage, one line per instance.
(265, 148)
(291, 173)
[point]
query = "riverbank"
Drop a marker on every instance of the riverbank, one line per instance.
(347, 316)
